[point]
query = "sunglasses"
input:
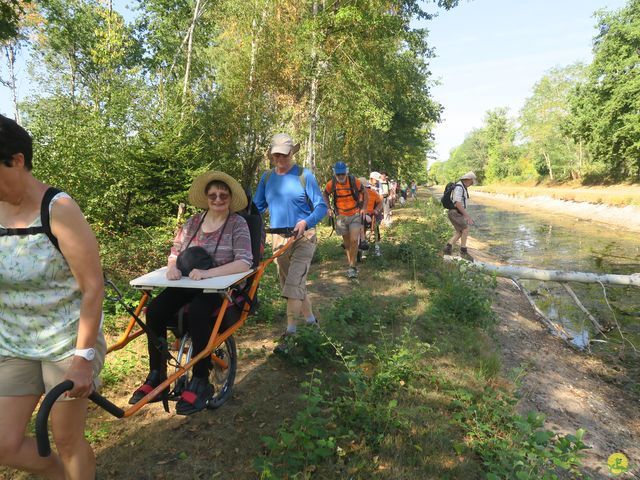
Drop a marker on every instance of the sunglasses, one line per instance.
(222, 196)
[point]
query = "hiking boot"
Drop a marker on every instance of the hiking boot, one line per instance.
(154, 379)
(352, 272)
(448, 250)
(464, 253)
(283, 347)
(364, 245)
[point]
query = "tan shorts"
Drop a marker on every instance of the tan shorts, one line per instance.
(457, 220)
(20, 377)
(293, 266)
(345, 224)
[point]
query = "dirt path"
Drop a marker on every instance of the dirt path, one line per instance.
(573, 390)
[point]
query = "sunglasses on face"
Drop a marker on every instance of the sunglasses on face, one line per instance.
(222, 196)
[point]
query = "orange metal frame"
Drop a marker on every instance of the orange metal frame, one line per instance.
(214, 341)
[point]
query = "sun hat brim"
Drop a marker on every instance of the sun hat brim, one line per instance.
(285, 149)
(198, 197)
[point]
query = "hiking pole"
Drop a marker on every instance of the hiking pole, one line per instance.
(42, 418)
(333, 225)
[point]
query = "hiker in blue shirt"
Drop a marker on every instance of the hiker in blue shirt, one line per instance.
(294, 200)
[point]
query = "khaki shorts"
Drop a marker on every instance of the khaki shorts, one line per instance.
(345, 224)
(457, 220)
(293, 265)
(20, 377)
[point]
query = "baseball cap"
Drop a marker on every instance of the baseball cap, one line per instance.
(340, 168)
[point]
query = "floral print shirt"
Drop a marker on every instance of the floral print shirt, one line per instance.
(39, 298)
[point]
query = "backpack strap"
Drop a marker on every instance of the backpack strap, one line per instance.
(45, 220)
(45, 215)
(355, 193)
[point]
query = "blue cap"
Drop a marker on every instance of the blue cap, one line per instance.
(340, 168)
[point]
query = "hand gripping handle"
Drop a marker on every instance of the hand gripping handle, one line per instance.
(42, 418)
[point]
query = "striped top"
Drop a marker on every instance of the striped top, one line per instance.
(235, 243)
(39, 298)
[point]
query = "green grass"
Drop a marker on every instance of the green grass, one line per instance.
(405, 381)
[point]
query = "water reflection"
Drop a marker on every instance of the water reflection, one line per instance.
(552, 241)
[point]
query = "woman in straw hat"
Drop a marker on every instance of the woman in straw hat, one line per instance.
(224, 236)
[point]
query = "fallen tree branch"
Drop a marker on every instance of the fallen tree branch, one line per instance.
(554, 275)
(577, 301)
(555, 329)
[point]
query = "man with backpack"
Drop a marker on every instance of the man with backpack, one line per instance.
(454, 200)
(349, 198)
(293, 198)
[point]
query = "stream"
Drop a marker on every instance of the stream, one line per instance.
(517, 236)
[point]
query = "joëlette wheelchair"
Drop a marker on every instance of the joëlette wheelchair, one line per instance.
(240, 295)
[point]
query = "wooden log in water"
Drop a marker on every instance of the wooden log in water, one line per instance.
(510, 271)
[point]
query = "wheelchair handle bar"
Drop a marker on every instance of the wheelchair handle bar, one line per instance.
(42, 418)
(284, 231)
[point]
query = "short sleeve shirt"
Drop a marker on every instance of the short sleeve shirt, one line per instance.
(235, 243)
(460, 194)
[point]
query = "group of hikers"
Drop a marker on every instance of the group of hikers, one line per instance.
(52, 287)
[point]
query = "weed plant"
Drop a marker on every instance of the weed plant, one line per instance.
(512, 446)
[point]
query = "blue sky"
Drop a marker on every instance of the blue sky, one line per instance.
(490, 53)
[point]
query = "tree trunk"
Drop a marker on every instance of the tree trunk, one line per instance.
(10, 51)
(547, 159)
(197, 11)
(510, 271)
(313, 109)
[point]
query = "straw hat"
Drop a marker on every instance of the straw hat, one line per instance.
(198, 197)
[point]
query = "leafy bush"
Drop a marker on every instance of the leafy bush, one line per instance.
(306, 441)
(515, 447)
(464, 296)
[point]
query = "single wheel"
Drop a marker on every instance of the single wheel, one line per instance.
(222, 378)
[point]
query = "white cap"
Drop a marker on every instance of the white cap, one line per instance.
(283, 143)
(469, 176)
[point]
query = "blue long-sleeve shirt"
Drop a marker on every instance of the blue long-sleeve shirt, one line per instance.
(287, 201)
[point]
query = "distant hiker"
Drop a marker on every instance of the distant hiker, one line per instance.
(413, 190)
(455, 200)
(349, 197)
(372, 215)
(384, 189)
(294, 200)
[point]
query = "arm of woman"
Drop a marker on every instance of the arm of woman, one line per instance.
(80, 249)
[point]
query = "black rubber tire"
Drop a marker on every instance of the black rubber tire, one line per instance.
(221, 380)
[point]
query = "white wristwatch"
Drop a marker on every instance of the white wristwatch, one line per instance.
(87, 353)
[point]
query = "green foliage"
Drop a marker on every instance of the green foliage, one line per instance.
(10, 12)
(308, 347)
(580, 123)
(300, 445)
(464, 296)
(605, 109)
(515, 447)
